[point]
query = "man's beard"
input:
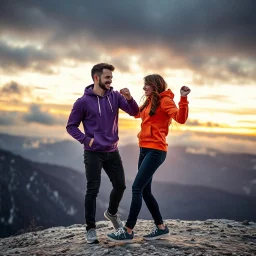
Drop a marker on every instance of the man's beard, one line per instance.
(102, 86)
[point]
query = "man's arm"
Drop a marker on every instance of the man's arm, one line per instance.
(75, 118)
(127, 103)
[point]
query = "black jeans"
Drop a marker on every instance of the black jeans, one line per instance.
(112, 164)
(149, 161)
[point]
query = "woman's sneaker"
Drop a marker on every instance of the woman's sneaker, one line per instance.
(157, 233)
(115, 219)
(91, 236)
(121, 235)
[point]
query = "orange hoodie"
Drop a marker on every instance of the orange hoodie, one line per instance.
(154, 129)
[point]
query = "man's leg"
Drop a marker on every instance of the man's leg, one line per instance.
(115, 171)
(93, 164)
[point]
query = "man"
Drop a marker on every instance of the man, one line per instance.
(98, 110)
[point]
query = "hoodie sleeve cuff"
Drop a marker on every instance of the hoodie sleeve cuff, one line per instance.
(130, 100)
(87, 141)
(184, 99)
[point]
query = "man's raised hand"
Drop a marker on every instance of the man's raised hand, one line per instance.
(126, 93)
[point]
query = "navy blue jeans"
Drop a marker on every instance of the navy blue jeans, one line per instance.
(149, 161)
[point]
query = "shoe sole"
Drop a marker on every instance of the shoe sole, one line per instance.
(156, 237)
(93, 242)
(120, 241)
(106, 217)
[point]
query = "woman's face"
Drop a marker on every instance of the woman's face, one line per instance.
(148, 90)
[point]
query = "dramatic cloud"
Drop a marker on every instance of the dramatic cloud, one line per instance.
(37, 115)
(182, 23)
(192, 123)
(215, 39)
(197, 123)
(221, 142)
(232, 70)
(9, 118)
(28, 57)
(13, 88)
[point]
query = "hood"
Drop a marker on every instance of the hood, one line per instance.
(89, 91)
(167, 93)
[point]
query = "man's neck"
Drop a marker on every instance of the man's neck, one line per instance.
(97, 90)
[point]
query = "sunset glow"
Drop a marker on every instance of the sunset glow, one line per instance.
(45, 67)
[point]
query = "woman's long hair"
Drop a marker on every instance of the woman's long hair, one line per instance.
(159, 85)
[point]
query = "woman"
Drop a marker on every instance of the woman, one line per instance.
(156, 113)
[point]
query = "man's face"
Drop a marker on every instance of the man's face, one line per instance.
(105, 79)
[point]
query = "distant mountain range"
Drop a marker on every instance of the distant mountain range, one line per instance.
(52, 195)
(235, 173)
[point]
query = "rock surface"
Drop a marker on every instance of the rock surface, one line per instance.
(210, 237)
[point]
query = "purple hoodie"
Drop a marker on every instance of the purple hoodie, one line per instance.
(99, 115)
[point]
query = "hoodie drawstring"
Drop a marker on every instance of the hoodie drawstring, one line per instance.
(110, 104)
(99, 105)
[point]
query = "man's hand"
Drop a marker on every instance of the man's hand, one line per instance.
(126, 93)
(91, 141)
(184, 91)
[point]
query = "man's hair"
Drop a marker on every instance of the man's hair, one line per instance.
(98, 68)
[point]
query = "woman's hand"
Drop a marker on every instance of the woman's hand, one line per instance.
(184, 91)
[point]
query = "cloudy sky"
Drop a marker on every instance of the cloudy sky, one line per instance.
(47, 50)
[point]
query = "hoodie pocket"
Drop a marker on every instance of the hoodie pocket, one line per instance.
(146, 133)
(104, 141)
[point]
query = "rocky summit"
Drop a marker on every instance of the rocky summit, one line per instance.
(210, 237)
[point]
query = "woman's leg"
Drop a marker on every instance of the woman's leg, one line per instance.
(152, 160)
(152, 204)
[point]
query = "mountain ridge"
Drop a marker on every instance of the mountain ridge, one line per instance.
(53, 195)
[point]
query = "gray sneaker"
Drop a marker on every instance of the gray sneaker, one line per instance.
(91, 236)
(115, 219)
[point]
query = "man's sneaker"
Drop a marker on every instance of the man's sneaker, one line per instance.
(157, 233)
(91, 236)
(115, 219)
(121, 235)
